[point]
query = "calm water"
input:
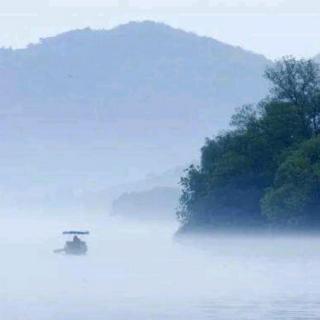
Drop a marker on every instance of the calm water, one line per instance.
(136, 272)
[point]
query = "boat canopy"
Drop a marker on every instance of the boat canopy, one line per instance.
(76, 232)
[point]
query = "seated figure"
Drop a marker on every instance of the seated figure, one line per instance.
(76, 246)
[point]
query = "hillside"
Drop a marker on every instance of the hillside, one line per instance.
(156, 204)
(264, 172)
(91, 108)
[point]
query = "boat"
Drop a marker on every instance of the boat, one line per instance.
(76, 246)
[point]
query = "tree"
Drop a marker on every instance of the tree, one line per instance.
(298, 82)
(241, 177)
(237, 166)
(294, 198)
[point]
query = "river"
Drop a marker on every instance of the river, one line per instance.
(138, 271)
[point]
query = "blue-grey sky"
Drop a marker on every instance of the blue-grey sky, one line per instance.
(271, 27)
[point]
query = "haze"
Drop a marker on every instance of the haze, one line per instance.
(103, 106)
(273, 28)
(136, 271)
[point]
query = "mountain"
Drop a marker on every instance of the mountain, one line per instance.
(103, 200)
(156, 204)
(93, 108)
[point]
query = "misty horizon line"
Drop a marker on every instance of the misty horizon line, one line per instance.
(42, 40)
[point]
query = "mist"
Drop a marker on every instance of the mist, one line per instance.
(150, 172)
(141, 271)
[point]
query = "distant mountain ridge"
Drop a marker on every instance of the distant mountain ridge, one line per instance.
(160, 57)
(91, 107)
(156, 204)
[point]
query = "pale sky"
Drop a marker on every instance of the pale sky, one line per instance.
(273, 28)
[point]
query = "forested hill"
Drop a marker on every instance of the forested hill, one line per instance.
(92, 107)
(155, 204)
(265, 171)
(134, 60)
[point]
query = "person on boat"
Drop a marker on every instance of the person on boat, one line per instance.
(76, 246)
(76, 241)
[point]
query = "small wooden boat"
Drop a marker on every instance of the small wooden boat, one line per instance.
(76, 246)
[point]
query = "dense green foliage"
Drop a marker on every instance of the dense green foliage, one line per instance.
(266, 170)
(295, 195)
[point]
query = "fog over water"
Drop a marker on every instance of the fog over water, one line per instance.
(138, 271)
